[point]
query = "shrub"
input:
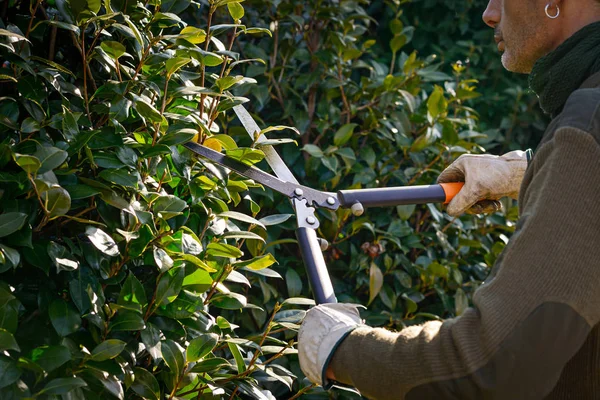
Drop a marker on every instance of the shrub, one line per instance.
(130, 268)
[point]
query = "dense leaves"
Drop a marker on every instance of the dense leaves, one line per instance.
(131, 269)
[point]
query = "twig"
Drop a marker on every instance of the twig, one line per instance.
(302, 391)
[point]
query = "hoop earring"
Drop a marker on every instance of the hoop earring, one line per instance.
(548, 14)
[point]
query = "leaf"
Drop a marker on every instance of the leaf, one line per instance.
(313, 150)
(397, 43)
(193, 35)
(275, 219)
(29, 163)
(256, 31)
(132, 293)
(148, 112)
(344, 134)
(211, 364)
(172, 354)
(293, 283)
(127, 321)
(108, 349)
(4, 32)
(7, 341)
(436, 103)
(241, 217)
(246, 155)
(102, 241)
(242, 235)
(226, 82)
(62, 386)
(64, 318)
(9, 372)
(51, 357)
(258, 263)
(198, 277)
(174, 64)
(200, 346)
(114, 49)
(12, 257)
(235, 10)
(145, 384)
(299, 301)
(29, 125)
(229, 301)
(169, 285)
(375, 281)
(121, 176)
(78, 192)
(223, 250)
(57, 200)
(237, 355)
(207, 58)
(168, 206)
(11, 222)
(162, 259)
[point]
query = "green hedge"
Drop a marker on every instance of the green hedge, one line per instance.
(131, 269)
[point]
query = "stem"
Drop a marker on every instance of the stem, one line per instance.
(302, 391)
(84, 60)
(344, 99)
(214, 103)
(203, 70)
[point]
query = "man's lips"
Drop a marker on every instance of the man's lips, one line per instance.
(500, 42)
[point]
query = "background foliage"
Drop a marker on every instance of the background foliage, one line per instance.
(131, 269)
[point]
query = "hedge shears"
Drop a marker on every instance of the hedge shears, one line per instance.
(305, 200)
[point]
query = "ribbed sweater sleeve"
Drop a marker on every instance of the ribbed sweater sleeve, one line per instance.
(527, 321)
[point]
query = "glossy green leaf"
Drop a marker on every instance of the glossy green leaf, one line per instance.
(29, 163)
(235, 10)
(11, 222)
(102, 241)
(169, 285)
(145, 384)
(133, 293)
(114, 49)
(344, 134)
(9, 372)
(51, 357)
(62, 386)
(223, 250)
(65, 319)
(174, 64)
(108, 349)
(7, 341)
(375, 281)
(127, 321)
(200, 346)
(172, 354)
(258, 263)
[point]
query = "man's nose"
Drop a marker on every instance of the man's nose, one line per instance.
(491, 15)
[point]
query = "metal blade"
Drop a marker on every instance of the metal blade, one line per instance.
(273, 158)
(291, 190)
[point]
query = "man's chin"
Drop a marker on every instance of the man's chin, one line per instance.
(513, 64)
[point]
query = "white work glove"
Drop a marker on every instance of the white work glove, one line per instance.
(323, 330)
(487, 178)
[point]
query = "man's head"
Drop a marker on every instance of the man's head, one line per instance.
(525, 33)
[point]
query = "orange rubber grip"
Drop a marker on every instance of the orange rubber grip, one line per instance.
(451, 189)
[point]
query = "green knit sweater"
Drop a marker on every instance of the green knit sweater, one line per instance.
(534, 329)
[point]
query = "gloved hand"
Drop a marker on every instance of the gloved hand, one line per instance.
(323, 330)
(487, 178)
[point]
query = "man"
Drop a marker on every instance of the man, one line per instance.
(534, 330)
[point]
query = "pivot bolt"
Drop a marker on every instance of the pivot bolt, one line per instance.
(357, 209)
(330, 201)
(298, 192)
(311, 220)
